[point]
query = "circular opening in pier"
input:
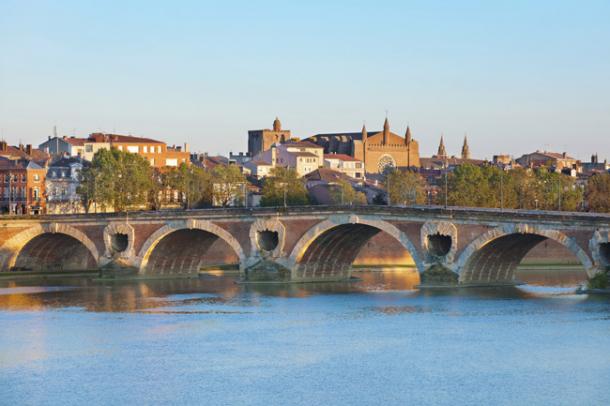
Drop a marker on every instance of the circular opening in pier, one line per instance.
(267, 240)
(604, 252)
(439, 245)
(119, 242)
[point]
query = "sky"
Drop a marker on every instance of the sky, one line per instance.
(516, 76)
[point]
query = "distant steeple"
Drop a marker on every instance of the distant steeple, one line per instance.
(442, 152)
(465, 149)
(408, 137)
(386, 132)
(365, 135)
(277, 125)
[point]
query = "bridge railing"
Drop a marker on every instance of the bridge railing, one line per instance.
(414, 210)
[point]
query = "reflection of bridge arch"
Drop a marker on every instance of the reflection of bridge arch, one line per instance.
(329, 248)
(181, 246)
(495, 255)
(54, 246)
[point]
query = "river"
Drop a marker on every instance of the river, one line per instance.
(375, 341)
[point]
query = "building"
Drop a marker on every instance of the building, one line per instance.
(24, 152)
(346, 164)
(156, 152)
(321, 185)
(378, 150)
(73, 147)
(61, 184)
(545, 158)
(262, 140)
(22, 186)
(302, 156)
(593, 167)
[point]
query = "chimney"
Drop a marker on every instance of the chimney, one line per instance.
(564, 155)
(186, 147)
(273, 155)
(28, 149)
(3, 146)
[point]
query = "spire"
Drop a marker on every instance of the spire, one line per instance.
(408, 137)
(465, 149)
(365, 135)
(277, 125)
(442, 152)
(386, 131)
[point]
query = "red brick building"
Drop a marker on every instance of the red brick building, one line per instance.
(22, 186)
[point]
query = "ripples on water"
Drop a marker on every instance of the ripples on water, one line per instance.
(373, 341)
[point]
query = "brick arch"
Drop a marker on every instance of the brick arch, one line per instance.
(513, 243)
(351, 233)
(155, 238)
(10, 250)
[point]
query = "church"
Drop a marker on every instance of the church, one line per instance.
(378, 150)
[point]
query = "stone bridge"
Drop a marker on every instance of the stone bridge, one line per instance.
(317, 243)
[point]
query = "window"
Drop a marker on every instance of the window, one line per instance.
(120, 147)
(171, 162)
(159, 149)
(23, 177)
(133, 149)
(145, 149)
(35, 194)
(36, 177)
(88, 148)
(152, 161)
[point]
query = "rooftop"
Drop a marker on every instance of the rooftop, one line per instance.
(341, 157)
(103, 137)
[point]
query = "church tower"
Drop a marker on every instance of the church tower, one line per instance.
(277, 125)
(386, 132)
(365, 136)
(408, 141)
(442, 152)
(465, 149)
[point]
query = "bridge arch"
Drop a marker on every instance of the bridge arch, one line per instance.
(49, 246)
(495, 255)
(329, 248)
(180, 246)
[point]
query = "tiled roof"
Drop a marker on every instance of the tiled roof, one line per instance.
(103, 137)
(326, 175)
(299, 153)
(77, 142)
(302, 144)
(341, 157)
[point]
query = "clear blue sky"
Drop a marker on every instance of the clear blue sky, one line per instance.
(515, 75)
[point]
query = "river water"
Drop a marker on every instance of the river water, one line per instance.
(376, 341)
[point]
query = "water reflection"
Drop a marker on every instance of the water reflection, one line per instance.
(169, 295)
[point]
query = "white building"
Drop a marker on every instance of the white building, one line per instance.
(348, 165)
(304, 157)
(62, 181)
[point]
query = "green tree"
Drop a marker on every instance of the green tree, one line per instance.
(284, 183)
(228, 185)
(598, 193)
(405, 187)
(344, 193)
(116, 179)
(556, 191)
(193, 184)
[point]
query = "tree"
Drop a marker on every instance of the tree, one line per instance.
(228, 186)
(192, 183)
(598, 193)
(284, 186)
(116, 179)
(405, 187)
(344, 193)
